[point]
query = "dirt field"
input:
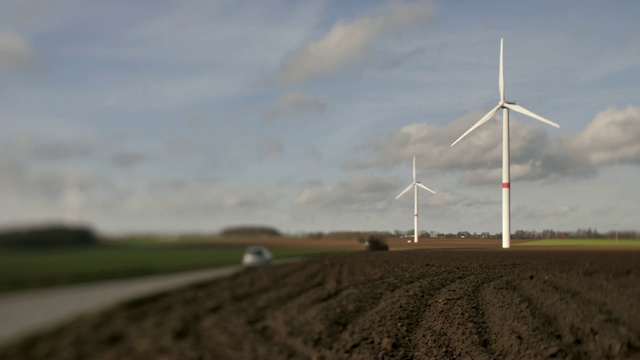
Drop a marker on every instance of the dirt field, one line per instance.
(422, 304)
(353, 244)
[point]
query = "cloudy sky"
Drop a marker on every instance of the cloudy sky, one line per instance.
(170, 116)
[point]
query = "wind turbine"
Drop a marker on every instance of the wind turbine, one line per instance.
(505, 106)
(73, 201)
(415, 184)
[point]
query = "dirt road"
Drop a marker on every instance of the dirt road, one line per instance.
(25, 311)
(422, 304)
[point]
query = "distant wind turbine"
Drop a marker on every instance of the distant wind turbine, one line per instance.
(73, 201)
(505, 106)
(415, 184)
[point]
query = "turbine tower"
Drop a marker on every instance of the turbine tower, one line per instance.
(415, 184)
(73, 201)
(505, 106)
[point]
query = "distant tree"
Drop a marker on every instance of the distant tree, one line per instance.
(315, 235)
(250, 230)
(49, 236)
(524, 234)
(548, 234)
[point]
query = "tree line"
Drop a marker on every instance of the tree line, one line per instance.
(48, 236)
(586, 233)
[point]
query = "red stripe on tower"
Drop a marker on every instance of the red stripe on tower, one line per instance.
(416, 215)
(506, 185)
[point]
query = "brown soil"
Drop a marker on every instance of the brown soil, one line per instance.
(422, 304)
(353, 243)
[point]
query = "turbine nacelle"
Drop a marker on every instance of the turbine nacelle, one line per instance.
(412, 185)
(503, 104)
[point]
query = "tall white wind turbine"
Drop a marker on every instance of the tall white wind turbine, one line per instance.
(415, 184)
(505, 106)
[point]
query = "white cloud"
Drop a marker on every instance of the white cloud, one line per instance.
(36, 17)
(127, 159)
(24, 146)
(356, 193)
(402, 58)
(443, 198)
(610, 138)
(432, 145)
(244, 201)
(61, 150)
(196, 120)
(348, 41)
(180, 54)
(32, 192)
(295, 104)
(15, 51)
(268, 147)
(564, 209)
(232, 201)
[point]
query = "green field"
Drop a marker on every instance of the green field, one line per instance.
(581, 242)
(21, 269)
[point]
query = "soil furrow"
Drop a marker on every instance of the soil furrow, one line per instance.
(437, 304)
(453, 324)
(584, 327)
(514, 322)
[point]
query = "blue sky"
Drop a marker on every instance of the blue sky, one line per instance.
(161, 116)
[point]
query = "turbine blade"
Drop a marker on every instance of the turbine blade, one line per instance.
(405, 190)
(424, 187)
(524, 111)
(484, 119)
(501, 75)
(414, 169)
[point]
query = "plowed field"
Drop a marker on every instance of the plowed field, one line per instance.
(421, 304)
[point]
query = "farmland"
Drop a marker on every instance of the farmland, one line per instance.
(481, 303)
(583, 242)
(30, 268)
